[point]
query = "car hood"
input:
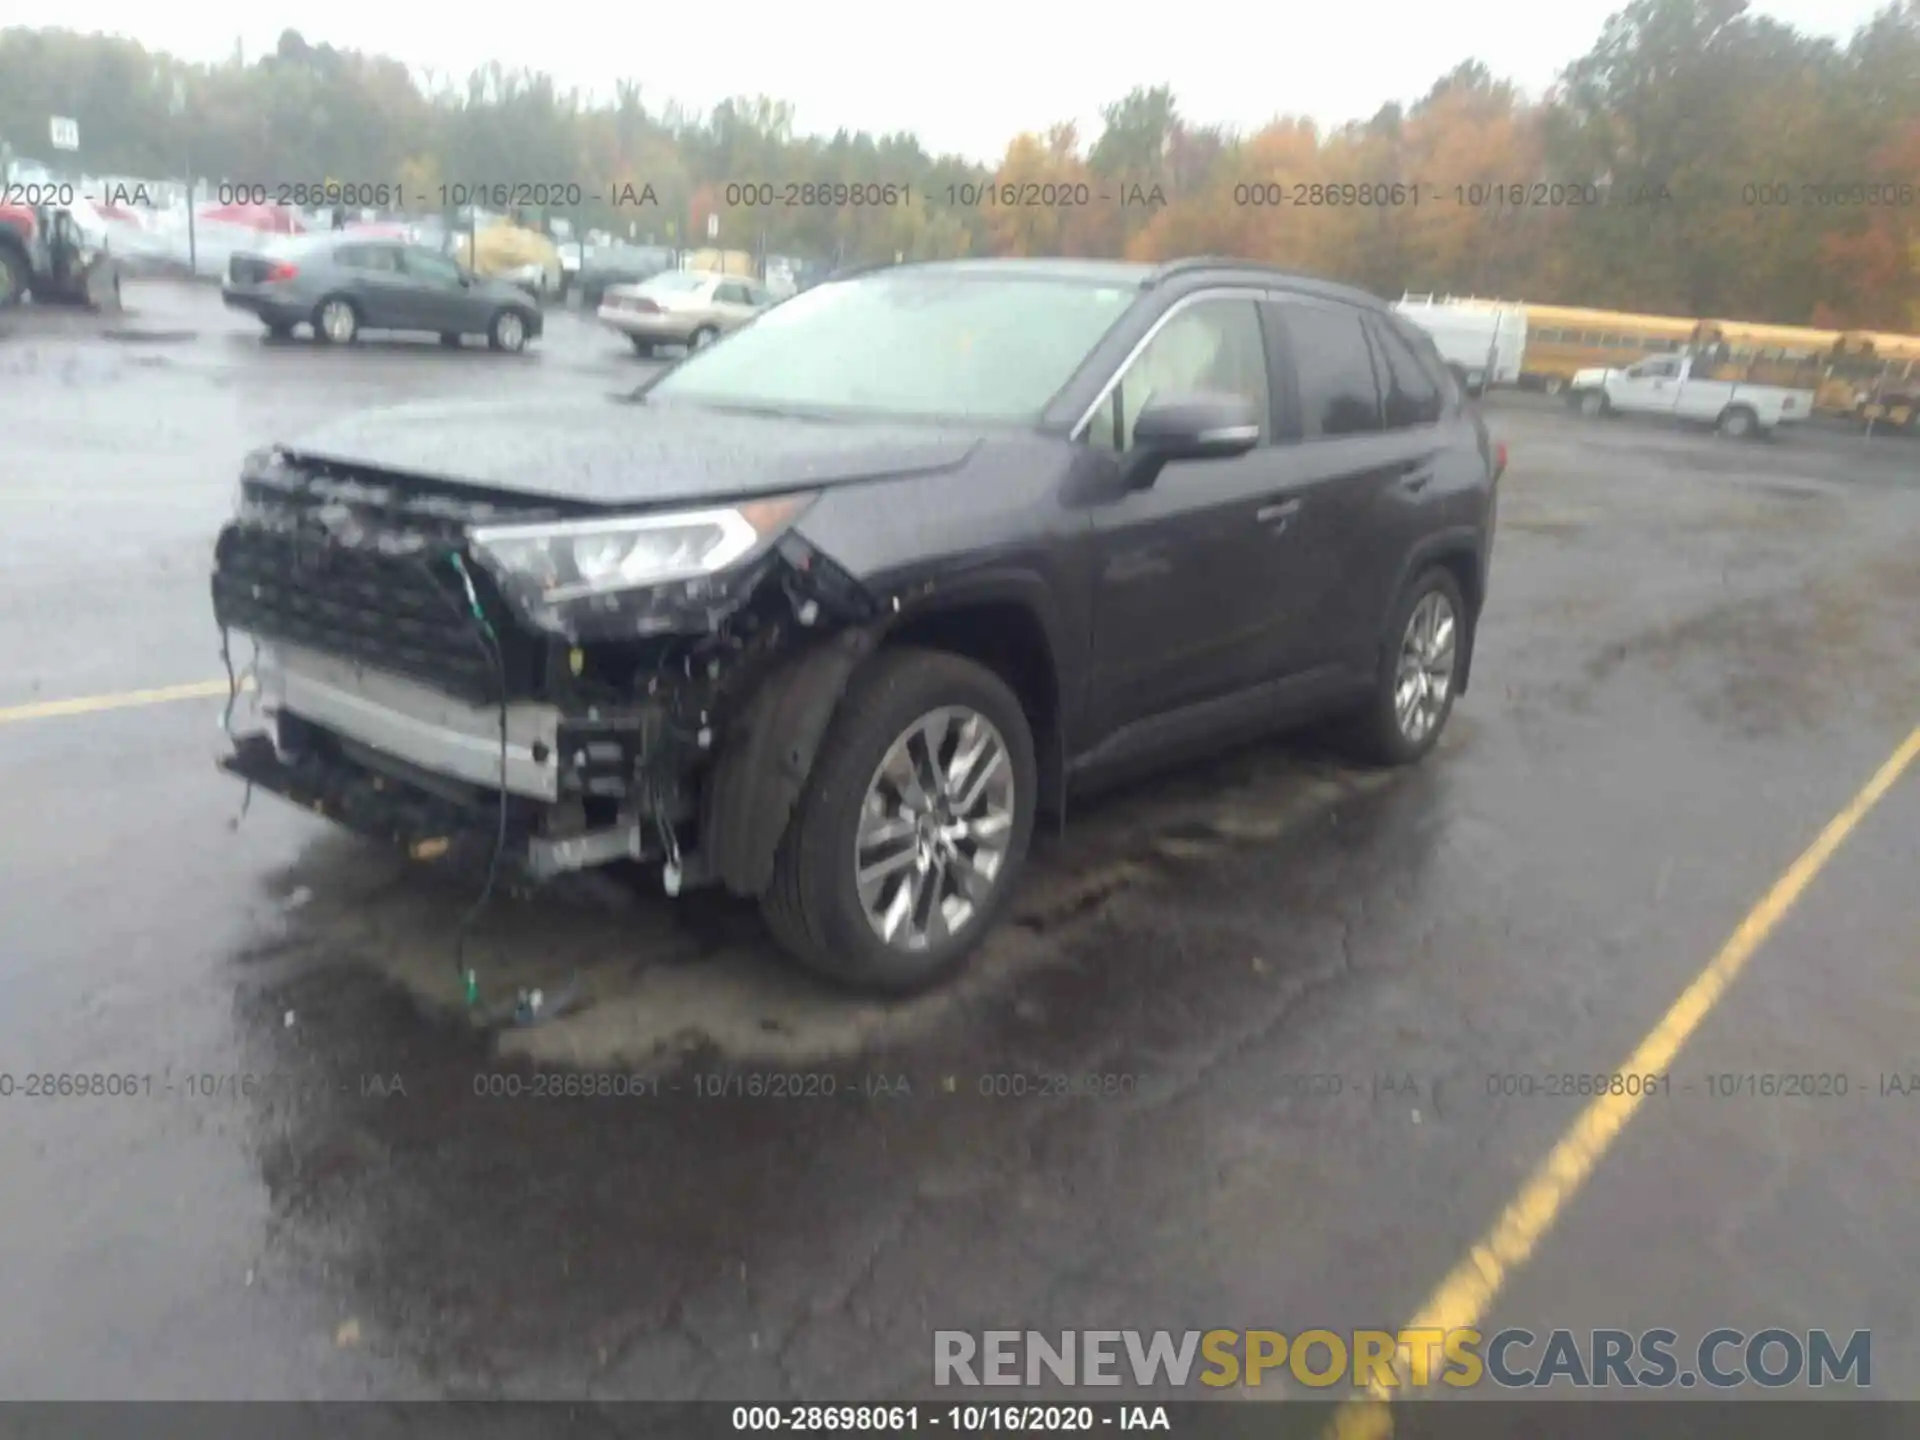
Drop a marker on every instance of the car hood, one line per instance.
(616, 452)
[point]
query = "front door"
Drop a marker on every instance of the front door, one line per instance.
(437, 294)
(1197, 572)
(380, 289)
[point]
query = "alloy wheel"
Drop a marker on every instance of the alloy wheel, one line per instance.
(1423, 678)
(336, 320)
(934, 828)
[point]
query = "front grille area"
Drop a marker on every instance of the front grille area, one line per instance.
(360, 570)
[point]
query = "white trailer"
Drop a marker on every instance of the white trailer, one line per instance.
(1482, 341)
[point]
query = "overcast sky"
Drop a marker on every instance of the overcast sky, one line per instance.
(965, 77)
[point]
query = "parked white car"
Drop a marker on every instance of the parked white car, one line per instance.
(1665, 385)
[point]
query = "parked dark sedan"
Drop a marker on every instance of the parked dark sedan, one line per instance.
(342, 284)
(604, 266)
(830, 611)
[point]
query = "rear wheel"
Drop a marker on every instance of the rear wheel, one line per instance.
(335, 321)
(1593, 403)
(905, 847)
(13, 279)
(1425, 643)
(508, 332)
(1739, 423)
(1554, 385)
(643, 348)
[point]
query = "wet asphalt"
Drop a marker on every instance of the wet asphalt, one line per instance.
(1694, 653)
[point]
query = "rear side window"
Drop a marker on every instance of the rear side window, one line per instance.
(369, 257)
(1412, 396)
(1338, 393)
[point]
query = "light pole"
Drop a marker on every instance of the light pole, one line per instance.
(178, 110)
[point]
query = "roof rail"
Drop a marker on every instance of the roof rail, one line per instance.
(1191, 263)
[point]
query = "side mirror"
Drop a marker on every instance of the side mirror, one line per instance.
(1200, 426)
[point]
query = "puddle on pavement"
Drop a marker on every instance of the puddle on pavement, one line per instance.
(653, 981)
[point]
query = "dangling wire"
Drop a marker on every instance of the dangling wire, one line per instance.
(226, 717)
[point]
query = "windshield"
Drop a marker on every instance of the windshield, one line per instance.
(929, 345)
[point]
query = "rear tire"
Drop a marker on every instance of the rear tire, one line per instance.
(14, 279)
(814, 906)
(335, 321)
(1422, 650)
(1553, 385)
(1593, 404)
(642, 348)
(1739, 423)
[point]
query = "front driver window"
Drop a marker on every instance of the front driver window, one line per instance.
(1214, 345)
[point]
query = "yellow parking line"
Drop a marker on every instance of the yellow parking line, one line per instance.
(1464, 1297)
(92, 704)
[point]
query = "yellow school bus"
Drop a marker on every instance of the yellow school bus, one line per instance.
(1791, 355)
(1563, 339)
(1875, 377)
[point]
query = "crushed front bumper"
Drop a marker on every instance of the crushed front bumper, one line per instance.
(405, 764)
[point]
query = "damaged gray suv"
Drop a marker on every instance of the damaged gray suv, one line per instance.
(830, 612)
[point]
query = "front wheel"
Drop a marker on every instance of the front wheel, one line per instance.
(1424, 646)
(702, 338)
(905, 847)
(508, 332)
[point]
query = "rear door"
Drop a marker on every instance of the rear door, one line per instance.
(1342, 462)
(732, 305)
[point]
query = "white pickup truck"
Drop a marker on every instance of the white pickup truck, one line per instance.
(1664, 385)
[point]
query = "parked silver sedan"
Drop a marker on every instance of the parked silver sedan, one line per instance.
(342, 284)
(682, 307)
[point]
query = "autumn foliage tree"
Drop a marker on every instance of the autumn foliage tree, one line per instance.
(1698, 158)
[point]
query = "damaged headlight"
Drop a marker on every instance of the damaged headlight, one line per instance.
(574, 559)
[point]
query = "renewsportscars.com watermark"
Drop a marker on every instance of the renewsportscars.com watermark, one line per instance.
(1404, 1359)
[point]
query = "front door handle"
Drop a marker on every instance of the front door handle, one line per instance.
(1279, 510)
(1419, 480)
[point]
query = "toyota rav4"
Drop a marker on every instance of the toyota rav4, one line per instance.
(829, 612)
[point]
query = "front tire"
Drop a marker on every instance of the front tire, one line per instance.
(906, 846)
(1421, 654)
(508, 332)
(702, 338)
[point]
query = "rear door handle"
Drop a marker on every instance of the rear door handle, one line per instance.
(1418, 480)
(1279, 510)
